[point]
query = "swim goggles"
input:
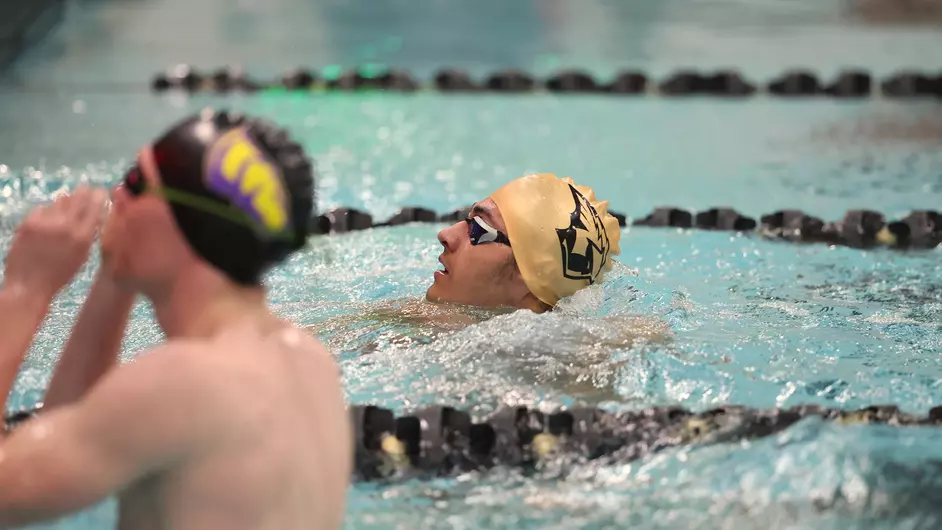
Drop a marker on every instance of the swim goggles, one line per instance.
(480, 232)
(137, 185)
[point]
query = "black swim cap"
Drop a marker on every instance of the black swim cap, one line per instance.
(250, 170)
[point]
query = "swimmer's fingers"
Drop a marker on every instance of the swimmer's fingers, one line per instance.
(88, 210)
(54, 214)
(61, 200)
(53, 243)
(39, 219)
(63, 205)
(67, 205)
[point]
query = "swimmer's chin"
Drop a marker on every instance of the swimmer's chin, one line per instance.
(431, 297)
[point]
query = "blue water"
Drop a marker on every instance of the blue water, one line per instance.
(754, 322)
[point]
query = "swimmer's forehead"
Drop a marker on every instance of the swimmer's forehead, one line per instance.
(489, 211)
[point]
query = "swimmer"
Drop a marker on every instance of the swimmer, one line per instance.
(237, 420)
(535, 241)
(530, 244)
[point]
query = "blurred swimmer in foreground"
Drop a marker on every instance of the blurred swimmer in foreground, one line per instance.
(238, 420)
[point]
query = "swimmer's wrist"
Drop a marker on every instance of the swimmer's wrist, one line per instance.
(25, 298)
(106, 282)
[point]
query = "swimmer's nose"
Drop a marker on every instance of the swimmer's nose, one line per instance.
(448, 239)
(442, 239)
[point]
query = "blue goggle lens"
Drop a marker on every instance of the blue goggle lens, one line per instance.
(480, 232)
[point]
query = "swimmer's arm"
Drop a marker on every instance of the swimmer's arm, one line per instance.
(397, 311)
(23, 312)
(93, 347)
(140, 419)
(382, 311)
(635, 327)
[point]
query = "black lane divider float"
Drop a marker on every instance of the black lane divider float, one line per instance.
(723, 83)
(921, 229)
(442, 441)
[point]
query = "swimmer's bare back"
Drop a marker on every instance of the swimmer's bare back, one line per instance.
(244, 431)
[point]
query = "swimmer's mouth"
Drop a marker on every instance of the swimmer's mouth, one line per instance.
(444, 267)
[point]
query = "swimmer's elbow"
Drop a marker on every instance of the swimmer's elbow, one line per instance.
(34, 506)
(12, 421)
(20, 512)
(46, 472)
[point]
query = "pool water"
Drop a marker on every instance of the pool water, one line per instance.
(753, 322)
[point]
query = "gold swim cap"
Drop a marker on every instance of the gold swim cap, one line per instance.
(562, 238)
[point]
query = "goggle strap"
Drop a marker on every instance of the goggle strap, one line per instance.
(209, 206)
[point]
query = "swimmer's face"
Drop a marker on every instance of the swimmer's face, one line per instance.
(141, 244)
(482, 274)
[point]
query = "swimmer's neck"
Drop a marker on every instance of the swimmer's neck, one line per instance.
(200, 302)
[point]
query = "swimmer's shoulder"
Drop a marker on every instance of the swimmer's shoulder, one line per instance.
(173, 386)
(292, 340)
(184, 362)
(283, 338)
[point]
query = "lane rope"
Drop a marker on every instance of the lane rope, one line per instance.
(863, 229)
(722, 83)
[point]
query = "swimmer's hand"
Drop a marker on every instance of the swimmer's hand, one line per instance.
(48, 249)
(53, 242)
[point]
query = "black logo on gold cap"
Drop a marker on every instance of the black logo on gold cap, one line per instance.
(584, 243)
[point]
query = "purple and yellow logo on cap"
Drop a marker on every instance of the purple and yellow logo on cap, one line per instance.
(237, 169)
